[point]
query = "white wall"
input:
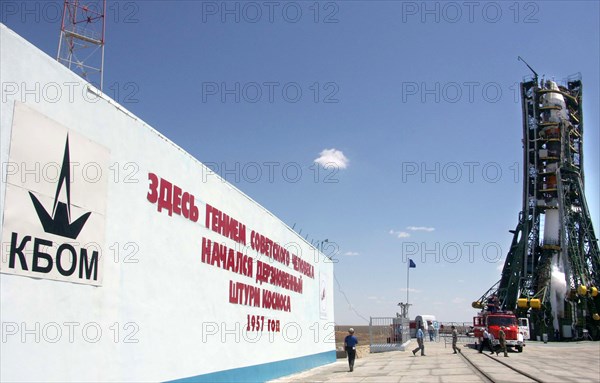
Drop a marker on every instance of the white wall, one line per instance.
(162, 317)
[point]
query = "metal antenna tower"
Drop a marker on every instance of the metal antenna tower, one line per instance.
(552, 270)
(81, 44)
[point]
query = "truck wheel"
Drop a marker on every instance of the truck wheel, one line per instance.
(519, 348)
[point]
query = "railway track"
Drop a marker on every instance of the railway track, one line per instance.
(495, 369)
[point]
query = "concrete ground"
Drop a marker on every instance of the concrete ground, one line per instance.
(550, 362)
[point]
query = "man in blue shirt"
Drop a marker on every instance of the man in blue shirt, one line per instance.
(420, 342)
(350, 343)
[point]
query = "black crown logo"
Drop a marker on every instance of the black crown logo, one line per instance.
(59, 222)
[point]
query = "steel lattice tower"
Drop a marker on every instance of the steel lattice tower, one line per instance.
(81, 44)
(552, 270)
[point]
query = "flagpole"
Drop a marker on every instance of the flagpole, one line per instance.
(407, 279)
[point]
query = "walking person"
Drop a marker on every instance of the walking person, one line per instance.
(431, 331)
(486, 342)
(350, 343)
(421, 347)
(491, 340)
(454, 340)
(502, 339)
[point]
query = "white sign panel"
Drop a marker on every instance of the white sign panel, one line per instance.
(323, 296)
(55, 207)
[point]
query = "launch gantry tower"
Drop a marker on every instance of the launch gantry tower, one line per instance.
(552, 271)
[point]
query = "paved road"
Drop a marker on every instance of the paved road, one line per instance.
(551, 362)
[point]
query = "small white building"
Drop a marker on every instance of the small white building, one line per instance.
(422, 321)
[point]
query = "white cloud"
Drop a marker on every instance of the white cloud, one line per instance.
(420, 228)
(400, 234)
(351, 253)
(406, 234)
(458, 300)
(333, 157)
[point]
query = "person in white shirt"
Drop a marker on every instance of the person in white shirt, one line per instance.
(486, 342)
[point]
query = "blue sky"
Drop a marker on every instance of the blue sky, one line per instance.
(417, 104)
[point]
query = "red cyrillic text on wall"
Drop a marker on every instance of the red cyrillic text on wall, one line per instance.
(217, 254)
(301, 266)
(270, 274)
(171, 198)
(225, 225)
(268, 247)
(243, 294)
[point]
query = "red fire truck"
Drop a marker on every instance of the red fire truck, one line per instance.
(492, 321)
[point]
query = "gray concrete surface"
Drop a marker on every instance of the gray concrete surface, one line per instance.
(550, 362)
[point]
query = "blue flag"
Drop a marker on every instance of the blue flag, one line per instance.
(411, 263)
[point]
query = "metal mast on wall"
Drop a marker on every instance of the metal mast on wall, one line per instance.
(81, 44)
